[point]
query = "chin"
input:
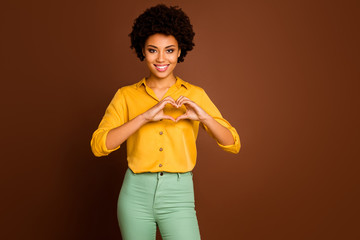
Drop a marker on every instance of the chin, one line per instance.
(162, 75)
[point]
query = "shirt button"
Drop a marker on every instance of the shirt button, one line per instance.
(161, 132)
(160, 165)
(161, 173)
(161, 149)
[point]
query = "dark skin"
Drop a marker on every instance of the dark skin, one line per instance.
(161, 53)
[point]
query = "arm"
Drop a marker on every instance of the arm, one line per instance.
(119, 135)
(194, 112)
(218, 131)
(210, 117)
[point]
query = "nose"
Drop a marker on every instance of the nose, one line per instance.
(160, 57)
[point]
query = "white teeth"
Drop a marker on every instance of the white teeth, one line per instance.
(161, 67)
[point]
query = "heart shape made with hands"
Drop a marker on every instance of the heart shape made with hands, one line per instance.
(174, 112)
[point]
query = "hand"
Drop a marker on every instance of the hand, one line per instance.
(193, 111)
(156, 113)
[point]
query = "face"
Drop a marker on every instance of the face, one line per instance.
(161, 54)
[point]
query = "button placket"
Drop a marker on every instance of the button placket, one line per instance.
(161, 149)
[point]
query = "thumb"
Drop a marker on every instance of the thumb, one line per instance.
(184, 116)
(168, 117)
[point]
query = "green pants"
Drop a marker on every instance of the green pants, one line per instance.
(163, 199)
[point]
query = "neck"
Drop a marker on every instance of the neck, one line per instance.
(154, 82)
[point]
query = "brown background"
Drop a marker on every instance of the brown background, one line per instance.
(284, 73)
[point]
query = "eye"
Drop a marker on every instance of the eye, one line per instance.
(151, 50)
(170, 50)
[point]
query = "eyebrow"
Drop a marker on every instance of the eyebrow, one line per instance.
(157, 47)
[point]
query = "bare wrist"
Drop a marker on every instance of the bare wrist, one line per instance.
(205, 119)
(143, 119)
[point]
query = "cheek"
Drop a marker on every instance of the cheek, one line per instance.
(174, 58)
(148, 61)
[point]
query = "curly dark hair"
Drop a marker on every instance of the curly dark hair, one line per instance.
(166, 20)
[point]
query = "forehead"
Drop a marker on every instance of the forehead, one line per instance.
(161, 40)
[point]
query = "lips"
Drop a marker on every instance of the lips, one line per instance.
(162, 67)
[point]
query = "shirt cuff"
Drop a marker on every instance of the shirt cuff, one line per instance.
(233, 148)
(98, 143)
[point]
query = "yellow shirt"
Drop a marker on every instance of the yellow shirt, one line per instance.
(163, 145)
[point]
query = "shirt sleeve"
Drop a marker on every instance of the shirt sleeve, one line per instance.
(212, 110)
(115, 115)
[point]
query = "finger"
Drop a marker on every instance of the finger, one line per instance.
(184, 116)
(181, 96)
(179, 99)
(171, 101)
(168, 98)
(186, 101)
(166, 101)
(168, 117)
(182, 99)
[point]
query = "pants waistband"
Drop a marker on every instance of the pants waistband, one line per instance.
(164, 174)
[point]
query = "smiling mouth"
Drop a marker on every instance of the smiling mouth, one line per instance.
(161, 68)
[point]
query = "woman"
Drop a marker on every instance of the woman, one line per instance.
(159, 118)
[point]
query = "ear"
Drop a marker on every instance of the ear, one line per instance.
(143, 52)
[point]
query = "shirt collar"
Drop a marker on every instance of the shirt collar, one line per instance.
(179, 82)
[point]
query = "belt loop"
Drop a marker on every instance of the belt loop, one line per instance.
(178, 176)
